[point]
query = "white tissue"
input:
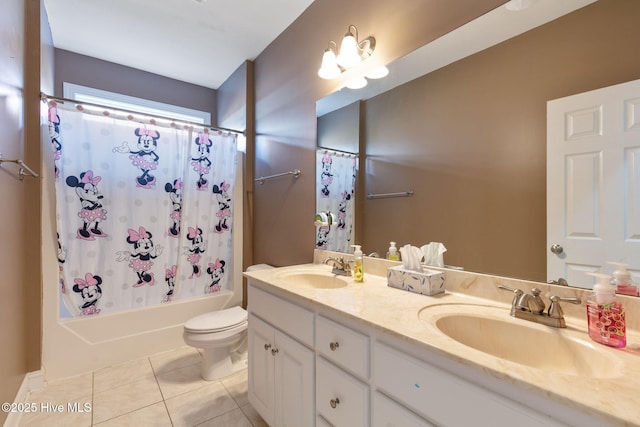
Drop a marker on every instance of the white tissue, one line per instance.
(433, 254)
(411, 258)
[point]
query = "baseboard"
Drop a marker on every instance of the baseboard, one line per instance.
(32, 381)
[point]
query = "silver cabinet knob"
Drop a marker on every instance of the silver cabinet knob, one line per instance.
(557, 249)
(274, 351)
(334, 402)
(267, 346)
(334, 346)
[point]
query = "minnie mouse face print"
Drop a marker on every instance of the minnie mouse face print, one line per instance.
(194, 252)
(342, 210)
(175, 194)
(326, 176)
(224, 207)
(90, 291)
(216, 271)
(140, 257)
(201, 162)
(54, 136)
(91, 211)
(170, 278)
(144, 157)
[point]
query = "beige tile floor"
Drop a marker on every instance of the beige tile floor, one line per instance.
(161, 390)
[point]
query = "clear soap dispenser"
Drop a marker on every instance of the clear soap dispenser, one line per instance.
(622, 280)
(605, 314)
(358, 269)
(392, 253)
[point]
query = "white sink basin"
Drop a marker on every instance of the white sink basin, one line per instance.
(494, 332)
(313, 279)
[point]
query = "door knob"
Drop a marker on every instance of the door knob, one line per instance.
(557, 249)
(267, 346)
(334, 346)
(334, 402)
(274, 351)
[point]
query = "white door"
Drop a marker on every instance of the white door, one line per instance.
(261, 368)
(294, 383)
(593, 183)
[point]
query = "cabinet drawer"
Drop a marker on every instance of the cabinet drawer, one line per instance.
(387, 413)
(295, 321)
(343, 346)
(439, 396)
(340, 398)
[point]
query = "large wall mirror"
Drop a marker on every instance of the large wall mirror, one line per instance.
(462, 123)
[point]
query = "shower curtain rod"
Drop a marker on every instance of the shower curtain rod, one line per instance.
(44, 96)
(338, 152)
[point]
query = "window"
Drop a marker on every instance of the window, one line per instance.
(144, 106)
(131, 103)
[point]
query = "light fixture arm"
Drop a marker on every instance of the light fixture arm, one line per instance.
(366, 46)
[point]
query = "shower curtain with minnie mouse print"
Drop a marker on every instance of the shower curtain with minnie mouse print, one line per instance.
(335, 186)
(144, 210)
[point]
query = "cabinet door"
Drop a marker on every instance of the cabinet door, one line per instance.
(261, 368)
(294, 383)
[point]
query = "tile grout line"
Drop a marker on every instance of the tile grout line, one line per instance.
(164, 401)
(126, 413)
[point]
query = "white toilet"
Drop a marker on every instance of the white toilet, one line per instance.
(222, 335)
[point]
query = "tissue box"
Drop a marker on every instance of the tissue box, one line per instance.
(429, 282)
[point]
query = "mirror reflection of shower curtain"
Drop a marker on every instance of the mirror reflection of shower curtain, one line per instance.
(335, 187)
(143, 210)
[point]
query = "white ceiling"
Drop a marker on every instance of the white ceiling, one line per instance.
(197, 41)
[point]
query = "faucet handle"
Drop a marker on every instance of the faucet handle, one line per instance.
(555, 310)
(514, 290)
(517, 294)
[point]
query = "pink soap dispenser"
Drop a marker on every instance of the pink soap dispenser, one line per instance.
(605, 314)
(622, 280)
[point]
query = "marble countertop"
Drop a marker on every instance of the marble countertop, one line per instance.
(613, 397)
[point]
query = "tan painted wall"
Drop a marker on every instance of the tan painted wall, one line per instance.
(287, 87)
(20, 309)
(12, 304)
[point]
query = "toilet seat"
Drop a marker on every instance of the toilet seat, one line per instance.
(217, 321)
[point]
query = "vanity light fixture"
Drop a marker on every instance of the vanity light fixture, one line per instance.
(351, 53)
(329, 69)
(356, 83)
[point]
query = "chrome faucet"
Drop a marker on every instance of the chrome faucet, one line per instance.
(531, 307)
(340, 266)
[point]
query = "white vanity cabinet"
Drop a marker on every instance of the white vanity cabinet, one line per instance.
(309, 365)
(281, 369)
